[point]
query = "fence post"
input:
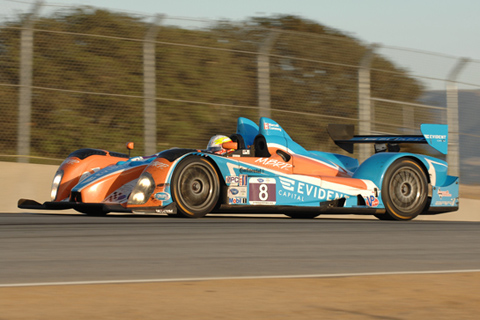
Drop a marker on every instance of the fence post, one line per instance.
(25, 90)
(149, 88)
(453, 156)
(364, 100)
(263, 71)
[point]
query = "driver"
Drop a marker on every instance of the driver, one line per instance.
(215, 145)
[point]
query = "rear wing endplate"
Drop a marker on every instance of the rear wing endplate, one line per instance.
(436, 135)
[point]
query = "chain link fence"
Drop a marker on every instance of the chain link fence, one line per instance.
(76, 77)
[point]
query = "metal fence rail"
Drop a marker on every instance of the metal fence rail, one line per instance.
(70, 80)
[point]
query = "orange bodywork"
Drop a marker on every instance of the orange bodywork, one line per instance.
(102, 188)
(74, 168)
(301, 165)
(160, 169)
(311, 167)
(296, 164)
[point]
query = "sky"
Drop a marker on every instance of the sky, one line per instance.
(448, 27)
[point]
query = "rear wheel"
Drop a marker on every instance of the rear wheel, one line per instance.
(404, 191)
(195, 187)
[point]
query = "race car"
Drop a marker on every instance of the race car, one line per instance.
(261, 169)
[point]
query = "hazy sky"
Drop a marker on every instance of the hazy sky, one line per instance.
(451, 27)
(448, 27)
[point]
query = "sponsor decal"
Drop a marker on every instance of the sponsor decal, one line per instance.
(291, 195)
(160, 165)
(237, 200)
(167, 211)
(445, 203)
(249, 170)
(116, 197)
(445, 193)
(262, 191)
(274, 163)
(163, 185)
(71, 161)
(272, 126)
(299, 190)
(162, 196)
(438, 137)
(245, 152)
(287, 184)
(372, 201)
(391, 139)
(240, 180)
(237, 192)
(121, 194)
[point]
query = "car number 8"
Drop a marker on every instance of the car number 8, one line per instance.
(261, 191)
(263, 195)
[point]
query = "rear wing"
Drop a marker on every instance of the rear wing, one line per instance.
(436, 135)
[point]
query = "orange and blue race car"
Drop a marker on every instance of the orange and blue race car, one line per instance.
(261, 169)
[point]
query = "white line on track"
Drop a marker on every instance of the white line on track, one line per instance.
(330, 275)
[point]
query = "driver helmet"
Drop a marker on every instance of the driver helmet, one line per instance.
(215, 145)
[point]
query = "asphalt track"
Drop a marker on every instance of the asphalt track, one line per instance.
(39, 248)
(70, 266)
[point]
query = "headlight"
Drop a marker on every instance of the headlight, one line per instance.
(55, 184)
(142, 191)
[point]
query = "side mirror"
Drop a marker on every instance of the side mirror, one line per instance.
(230, 145)
(130, 147)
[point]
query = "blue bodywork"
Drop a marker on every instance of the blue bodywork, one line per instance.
(243, 180)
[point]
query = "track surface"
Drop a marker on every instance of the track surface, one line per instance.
(42, 248)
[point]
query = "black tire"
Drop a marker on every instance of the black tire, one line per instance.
(404, 191)
(195, 187)
(302, 215)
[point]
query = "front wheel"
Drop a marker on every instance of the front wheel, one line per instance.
(195, 187)
(404, 191)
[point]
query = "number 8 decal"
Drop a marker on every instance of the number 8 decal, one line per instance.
(263, 195)
(262, 191)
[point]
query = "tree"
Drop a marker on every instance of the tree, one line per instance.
(88, 78)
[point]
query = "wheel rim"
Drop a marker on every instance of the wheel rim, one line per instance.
(406, 190)
(196, 187)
